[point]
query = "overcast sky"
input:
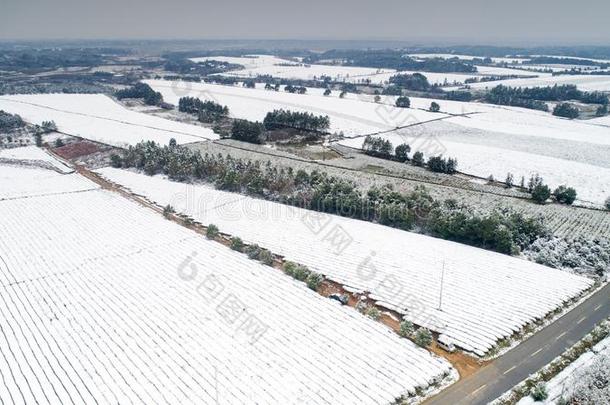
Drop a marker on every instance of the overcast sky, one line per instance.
(475, 21)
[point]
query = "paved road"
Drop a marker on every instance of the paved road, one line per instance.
(530, 356)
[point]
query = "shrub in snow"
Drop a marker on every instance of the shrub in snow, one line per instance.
(314, 280)
(566, 110)
(290, 268)
(362, 306)
(539, 392)
(237, 244)
(301, 273)
(423, 337)
(403, 102)
(212, 231)
(541, 193)
(115, 161)
(266, 257)
(373, 313)
(591, 384)
(585, 256)
(565, 195)
(607, 203)
(168, 210)
(406, 329)
(253, 251)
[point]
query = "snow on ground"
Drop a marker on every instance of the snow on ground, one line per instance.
(486, 295)
(563, 383)
(271, 65)
(466, 57)
(591, 181)
(30, 171)
(33, 154)
(352, 117)
(574, 57)
(498, 140)
(524, 142)
(99, 118)
(603, 121)
(502, 71)
(104, 301)
(248, 61)
(583, 82)
(260, 65)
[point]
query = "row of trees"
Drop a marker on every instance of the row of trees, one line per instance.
(393, 59)
(142, 91)
(535, 97)
(207, 111)
(541, 192)
(304, 121)
(440, 164)
(382, 148)
(503, 230)
(504, 95)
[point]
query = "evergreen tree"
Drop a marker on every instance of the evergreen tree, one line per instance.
(403, 102)
(247, 131)
(402, 152)
(566, 110)
(565, 195)
(541, 193)
(418, 159)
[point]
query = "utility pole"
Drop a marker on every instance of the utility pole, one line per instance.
(440, 298)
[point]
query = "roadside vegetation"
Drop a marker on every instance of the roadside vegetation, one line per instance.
(591, 381)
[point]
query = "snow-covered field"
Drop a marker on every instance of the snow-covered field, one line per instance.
(261, 65)
(30, 171)
(465, 57)
(104, 301)
(494, 141)
(348, 116)
(34, 155)
(498, 140)
(99, 118)
(501, 71)
(248, 61)
(583, 82)
(486, 296)
(564, 383)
